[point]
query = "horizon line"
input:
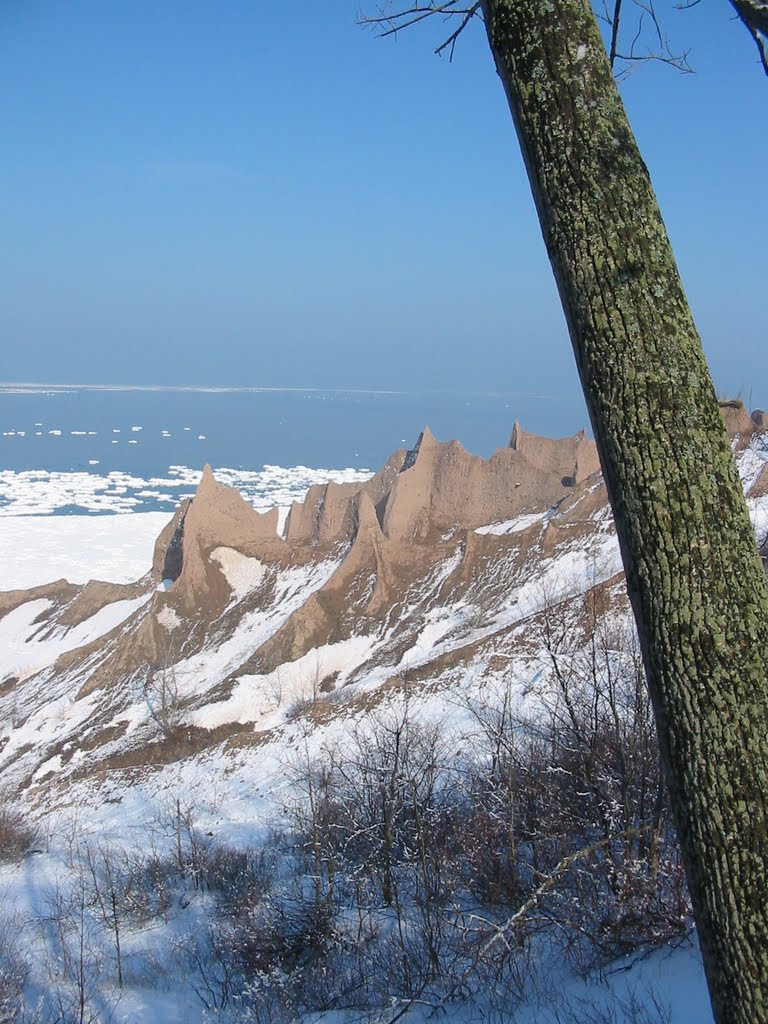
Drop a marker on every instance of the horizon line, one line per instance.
(256, 389)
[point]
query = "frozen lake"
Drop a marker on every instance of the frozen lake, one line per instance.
(66, 450)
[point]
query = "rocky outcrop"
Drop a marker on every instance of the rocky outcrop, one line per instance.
(442, 486)
(760, 487)
(572, 459)
(438, 485)
(59, 592)
(96, 595)
(217, 516)
(738, 422)
(327, 514)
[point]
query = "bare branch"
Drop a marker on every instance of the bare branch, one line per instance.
(407, 16)
(649, 8)
(680, 63)
(451, 40)
(647, 21)
(391, 22)
(661, 51)
(521, 914)
(615, 30)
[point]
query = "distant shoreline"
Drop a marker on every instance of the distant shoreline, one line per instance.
(34, 387)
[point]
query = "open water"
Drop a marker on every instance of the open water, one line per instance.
(83, 449)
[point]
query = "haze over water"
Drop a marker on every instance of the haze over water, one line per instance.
(71, 428)
(145, 445)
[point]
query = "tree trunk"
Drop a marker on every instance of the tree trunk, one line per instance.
(694, 577)
(754, 14)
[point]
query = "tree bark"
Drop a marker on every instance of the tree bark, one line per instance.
(754, 14)
(694, 577)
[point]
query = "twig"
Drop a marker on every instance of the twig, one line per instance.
(501, 931)
(391, 22)
(451, 40)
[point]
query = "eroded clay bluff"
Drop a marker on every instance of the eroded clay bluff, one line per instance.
(438, 485)
(740, 423)
(381, 531)
(229, 601)
(382, 536)
(441, 486)
(416, 495)
(217, 516)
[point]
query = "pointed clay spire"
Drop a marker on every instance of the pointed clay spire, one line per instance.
(207, 482)
(516, 438)
(426, 440)
(366, 514)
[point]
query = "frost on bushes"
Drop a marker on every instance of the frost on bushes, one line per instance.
(12, 979)
(428, 852)
(403, 855)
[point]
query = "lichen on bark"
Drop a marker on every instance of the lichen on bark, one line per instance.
(694, 576)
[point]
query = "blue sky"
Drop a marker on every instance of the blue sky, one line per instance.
(235, 192)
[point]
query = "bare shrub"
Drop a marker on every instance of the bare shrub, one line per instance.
(75, 954)
(161, 694)
(267, 998)
(13, 972)
(17, 835)
(376, 831)
(152, 887)
(208, 957)
(557, 822)
(635, 1007)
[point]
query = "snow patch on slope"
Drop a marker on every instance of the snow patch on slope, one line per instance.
(267, 699)
(242, 573)
(512, 525)
(30, 646)
(751, 461)
(199, 673)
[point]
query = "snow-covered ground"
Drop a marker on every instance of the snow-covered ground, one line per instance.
(114, 548)
(237, 794)
(38, 547)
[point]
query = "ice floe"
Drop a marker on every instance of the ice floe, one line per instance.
(43, 492)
